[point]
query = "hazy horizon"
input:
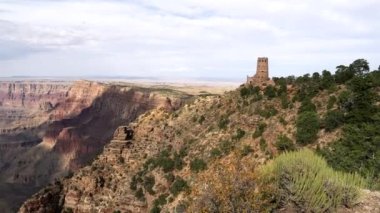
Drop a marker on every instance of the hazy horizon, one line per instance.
(184, 39)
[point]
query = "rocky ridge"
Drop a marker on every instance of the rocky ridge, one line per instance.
(164, 167)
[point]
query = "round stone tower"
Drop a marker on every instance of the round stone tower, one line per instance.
(261, 78)
(262, 73)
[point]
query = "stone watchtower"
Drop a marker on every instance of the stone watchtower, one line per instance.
(261, 78)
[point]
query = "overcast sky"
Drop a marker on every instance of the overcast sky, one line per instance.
(185, 38)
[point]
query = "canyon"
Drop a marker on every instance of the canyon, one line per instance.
(50, 129)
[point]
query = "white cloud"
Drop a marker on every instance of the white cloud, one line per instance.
(184, 38)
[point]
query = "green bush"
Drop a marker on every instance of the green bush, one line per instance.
(169, 177)
(358, 149)
(155, 209)
(307, 127)
(259, 130)
(216, 153)
(201, 119)
(160, 201)
(239, 134)
(246, 150)
(305, 179)
(249, 90)
(166, 163)
(139, 194)
(133, 184)
(332, 120)
(197, 165)
(178, 162)
(178, 186)
(226, 146)
(223, 122)
(270, 92)
(282, 121)
(149, 182)
(307, 105)
(283, 143)
(331, 102)
(284, 101)
(263, 144)
(268, 112)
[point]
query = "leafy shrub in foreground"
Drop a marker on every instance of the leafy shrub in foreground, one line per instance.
(305, 178)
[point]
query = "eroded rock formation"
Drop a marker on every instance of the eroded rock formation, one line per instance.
(63, 127)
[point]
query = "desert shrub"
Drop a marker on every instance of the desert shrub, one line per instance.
(283, 143)
(161, 200)
(257, 97)
(307, 105)
(345, 101)
(149, 182)
(259, 130)
(249, 90)
(120, 160)
(226, 146)
(215, 153)
(305, 179)
(284, 101)
(331, 102)
(169, 177)
(166, 163)
(268, 112)
(239, 134)
(282, 121)
(263, 144)
(307, 127)
(178, 162)
(270, 92)
(230, 188)
(332, 120)
(133, 184)
(198, 165)
(157, 203)
(201, 119)
(223, 122)
(155, 209)
(178, 186)
(244, 91)
(68, 210)
(139, 194)
(246, 150)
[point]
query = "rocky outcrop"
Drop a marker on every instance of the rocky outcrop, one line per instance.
(50, 201)
(104, 186)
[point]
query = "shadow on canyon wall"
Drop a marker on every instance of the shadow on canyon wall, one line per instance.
(71, 143)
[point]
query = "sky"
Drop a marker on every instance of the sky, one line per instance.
(185, 38)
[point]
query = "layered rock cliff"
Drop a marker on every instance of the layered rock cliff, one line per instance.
(65, 128)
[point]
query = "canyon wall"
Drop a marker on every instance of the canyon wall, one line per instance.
(50, 130)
